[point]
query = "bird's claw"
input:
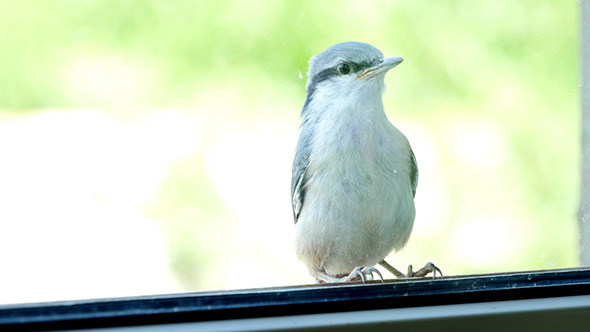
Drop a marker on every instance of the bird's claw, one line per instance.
(364, 274)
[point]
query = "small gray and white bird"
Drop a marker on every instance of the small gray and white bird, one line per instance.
(354, 173)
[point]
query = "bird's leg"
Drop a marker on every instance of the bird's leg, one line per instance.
(392, 269)
(358, 274)
(428, 268)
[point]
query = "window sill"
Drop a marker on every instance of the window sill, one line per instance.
(546, 300)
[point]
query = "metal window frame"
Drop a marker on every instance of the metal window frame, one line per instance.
(545, 300)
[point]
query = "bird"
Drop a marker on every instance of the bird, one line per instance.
(354, 174)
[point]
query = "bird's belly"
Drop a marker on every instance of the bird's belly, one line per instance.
(356, 212)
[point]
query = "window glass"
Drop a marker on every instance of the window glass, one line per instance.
(146, 146)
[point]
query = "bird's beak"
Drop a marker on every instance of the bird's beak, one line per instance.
(381, 68)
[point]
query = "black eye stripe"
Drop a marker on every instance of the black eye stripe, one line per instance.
(324, 75)
(331, 72)
(358, 66)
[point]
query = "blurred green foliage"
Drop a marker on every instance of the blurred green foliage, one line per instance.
(512, 64)
(454, 48)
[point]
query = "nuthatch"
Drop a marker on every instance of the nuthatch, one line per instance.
(354, 173)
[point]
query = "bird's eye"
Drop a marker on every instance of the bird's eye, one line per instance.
(344, 68)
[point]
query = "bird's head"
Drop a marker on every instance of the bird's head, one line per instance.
(347, 67)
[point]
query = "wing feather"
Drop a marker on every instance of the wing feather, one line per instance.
(300, 169)
(413, 172)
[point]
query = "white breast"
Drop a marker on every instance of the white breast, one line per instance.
(358, 203)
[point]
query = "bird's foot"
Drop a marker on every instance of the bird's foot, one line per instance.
(423, 272)
(361, 273)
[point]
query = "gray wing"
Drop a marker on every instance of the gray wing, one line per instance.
(413, 173)
(300, 174)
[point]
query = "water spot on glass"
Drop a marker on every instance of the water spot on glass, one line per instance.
(552, 262)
